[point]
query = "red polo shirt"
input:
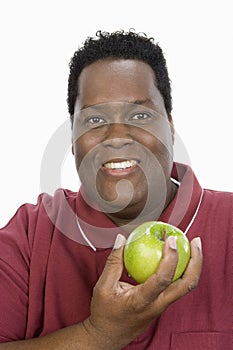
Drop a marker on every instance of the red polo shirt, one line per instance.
(48, 268)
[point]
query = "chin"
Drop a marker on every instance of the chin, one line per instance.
(117, 205)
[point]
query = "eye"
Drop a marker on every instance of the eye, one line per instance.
(141, 116)
(95, 120)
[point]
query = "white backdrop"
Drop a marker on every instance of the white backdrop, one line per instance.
(39, 37)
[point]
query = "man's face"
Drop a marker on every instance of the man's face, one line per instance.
(122, 138)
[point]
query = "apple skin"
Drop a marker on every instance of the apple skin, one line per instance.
(144, 248)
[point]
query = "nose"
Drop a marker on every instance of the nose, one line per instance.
(118, 135)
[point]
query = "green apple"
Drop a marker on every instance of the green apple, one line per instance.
(144, 249)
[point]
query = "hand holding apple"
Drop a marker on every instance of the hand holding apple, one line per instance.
(129, 309)
(144, 247)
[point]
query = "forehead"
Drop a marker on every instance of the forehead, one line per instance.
(117, 80)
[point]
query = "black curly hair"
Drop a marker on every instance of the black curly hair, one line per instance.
(119, 44)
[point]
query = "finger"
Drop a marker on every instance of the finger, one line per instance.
(114, 265)
(192, 273)
(189, 280)
(164, 276)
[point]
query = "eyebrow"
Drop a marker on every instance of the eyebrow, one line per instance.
(140, 102)
(136, 102)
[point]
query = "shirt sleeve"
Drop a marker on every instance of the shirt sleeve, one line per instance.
(14, 276)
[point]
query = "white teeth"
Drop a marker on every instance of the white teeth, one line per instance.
(120, 165)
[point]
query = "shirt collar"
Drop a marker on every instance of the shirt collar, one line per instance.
(182, 208)
(180, 212)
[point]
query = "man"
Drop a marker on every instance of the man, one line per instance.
(62, 284)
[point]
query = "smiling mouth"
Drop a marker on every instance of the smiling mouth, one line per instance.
(123, 165)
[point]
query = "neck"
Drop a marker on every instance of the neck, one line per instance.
(130, 217)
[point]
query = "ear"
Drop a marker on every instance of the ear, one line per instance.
(72, 141)
(72, 145)
(172, 127)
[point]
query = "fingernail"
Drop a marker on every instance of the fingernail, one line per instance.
(198, 242)
(119, 242)
(172, 242)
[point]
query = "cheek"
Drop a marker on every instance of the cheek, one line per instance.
(82, 148)
(79, 153)
(152, 144)
(159, 138)
(158, 153)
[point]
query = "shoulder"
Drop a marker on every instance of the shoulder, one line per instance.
(218, 208)
(58, 198)
(219, 196)
(41, 215)
(44, 200)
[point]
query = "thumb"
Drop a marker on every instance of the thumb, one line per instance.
(114, 265)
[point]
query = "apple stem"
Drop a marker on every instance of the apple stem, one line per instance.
(164, 232)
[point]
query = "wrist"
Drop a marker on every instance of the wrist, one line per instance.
(101, 339)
